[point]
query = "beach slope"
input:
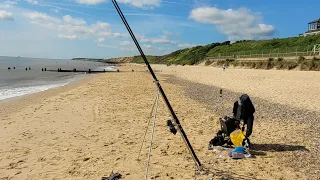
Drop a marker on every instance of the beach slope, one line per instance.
(90, 128)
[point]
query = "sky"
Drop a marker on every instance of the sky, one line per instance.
(66, 29)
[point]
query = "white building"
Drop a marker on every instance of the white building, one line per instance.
(313, 28)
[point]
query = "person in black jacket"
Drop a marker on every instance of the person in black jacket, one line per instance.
(243, 109)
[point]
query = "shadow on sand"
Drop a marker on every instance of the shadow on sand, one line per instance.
(224, 175)
(277, 147)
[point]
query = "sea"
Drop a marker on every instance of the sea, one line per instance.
(25, 75)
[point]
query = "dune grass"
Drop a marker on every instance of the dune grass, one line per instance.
(279, 63)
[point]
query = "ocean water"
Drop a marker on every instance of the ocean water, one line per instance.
(19, 81)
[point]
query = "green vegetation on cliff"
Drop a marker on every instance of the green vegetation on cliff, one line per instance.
(196, 54)
(283, 45)
(279, 63)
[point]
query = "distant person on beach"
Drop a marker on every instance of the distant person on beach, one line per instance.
(224, 66)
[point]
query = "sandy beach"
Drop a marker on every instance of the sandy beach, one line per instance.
(92, 127)
(295, 88)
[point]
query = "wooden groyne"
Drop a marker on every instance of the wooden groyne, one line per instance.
(68, 70)
(75, 70)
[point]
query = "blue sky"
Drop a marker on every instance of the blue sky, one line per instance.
(92, 28)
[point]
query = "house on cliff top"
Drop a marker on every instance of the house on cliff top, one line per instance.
(313, 28)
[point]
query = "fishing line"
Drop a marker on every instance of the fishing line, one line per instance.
(145, 134)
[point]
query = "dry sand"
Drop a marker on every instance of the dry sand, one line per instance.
(88, 129)
(295, 88)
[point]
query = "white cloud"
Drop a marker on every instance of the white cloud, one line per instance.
(90, 2)
(84, 30)
(70, 37)
(163, 40)
(101, 25)
(201, 3)
(41, 17)
(127, 46)
(236, 24)
(161, 49)
(126, 43)
(167, 33)
(73, 28)
(55, 10)
(6, 16)
(72, 25)
(70, 20)
(5, 6)
(105, 34)
(107, 46)
(100, 40)
(186, 45)
(33, 2)
(111, 34)
(10, 2)
(158, 40)
(119, 35)
(148, 46)
(142, 3)
(68, 28)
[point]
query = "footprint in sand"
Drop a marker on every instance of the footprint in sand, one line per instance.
(14, 165)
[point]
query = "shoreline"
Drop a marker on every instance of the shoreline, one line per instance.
(69, 81)
(21, 101)
(55, 85)
(96, 125)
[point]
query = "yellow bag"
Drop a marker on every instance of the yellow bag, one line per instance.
(237, 137)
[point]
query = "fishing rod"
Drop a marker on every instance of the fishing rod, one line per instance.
(173, 114)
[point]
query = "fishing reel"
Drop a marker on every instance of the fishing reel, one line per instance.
(173, 130)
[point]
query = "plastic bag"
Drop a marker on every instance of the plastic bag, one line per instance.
(237, 137)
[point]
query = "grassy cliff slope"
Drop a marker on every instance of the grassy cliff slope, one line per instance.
(196, 54)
